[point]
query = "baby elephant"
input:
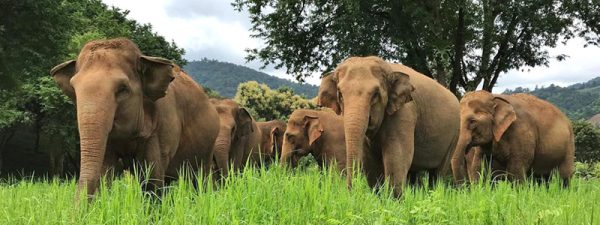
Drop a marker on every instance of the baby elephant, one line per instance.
(318, 132)
(522, 134)
(272, 138)
(238, 136)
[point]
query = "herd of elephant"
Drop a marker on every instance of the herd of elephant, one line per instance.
(387, 119)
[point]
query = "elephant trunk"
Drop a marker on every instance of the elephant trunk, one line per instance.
(356, 119)
(286, 153)
(222, 151)
(459, 170)
(94, 119)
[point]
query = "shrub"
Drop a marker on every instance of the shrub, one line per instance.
(587, 141)
(265, 104)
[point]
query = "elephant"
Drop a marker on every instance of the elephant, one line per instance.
(411, 121)
(239, 136)
(317, 132)
(133, 106)
(520, 132)
(272, 138)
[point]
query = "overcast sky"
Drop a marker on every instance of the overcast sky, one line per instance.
(212, 29)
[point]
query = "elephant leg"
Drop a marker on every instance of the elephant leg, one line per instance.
(108, 167)
(433, 177)
(373, 170)
(566, 170)
(397, 158)
(154, 166)
(516, 170)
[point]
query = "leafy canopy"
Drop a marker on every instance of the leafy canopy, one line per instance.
(460, 43)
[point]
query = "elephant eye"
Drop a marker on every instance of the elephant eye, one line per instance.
(122, 91)
(375, 97)
(472, 123)
(289, 137)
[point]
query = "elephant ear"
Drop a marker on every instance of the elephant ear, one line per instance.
(273, 135)
(504, 116)
(313, 127)
(157, 74)
(62, 75)
(400, 91)
(328, 93)
(244, 122)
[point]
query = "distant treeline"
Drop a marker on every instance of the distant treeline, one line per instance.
(578, 101)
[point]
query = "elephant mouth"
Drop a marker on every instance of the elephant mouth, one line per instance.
(299, 152)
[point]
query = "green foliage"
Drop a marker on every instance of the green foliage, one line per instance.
(578, 101)
(587, 141)
(587, 170)
(36, 35)
(33, 37)
(311, 196)
(225, 77)
(265, 104)
(460, 43)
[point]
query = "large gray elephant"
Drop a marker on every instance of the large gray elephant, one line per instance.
(521, 133)
(132, 106)
(412, 121)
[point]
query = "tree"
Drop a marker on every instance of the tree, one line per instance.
(587, 140)
(265, 104)
(36, 35)
(460, 43)
(31, 39)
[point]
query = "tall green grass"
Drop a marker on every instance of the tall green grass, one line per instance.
(311, 196)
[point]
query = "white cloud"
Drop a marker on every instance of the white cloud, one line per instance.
(582, 65)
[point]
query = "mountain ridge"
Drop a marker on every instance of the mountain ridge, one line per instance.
(224, 77)
(578, 101)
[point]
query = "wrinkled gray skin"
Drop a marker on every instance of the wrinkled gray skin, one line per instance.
(136, 107)
(412, 121)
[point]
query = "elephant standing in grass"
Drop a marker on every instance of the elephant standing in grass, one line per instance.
(411, 122)
(320, 133)
(272, 138)
(521, 132)
(132, 106)
(239, 137)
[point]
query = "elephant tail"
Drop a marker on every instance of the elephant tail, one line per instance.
(445, 170)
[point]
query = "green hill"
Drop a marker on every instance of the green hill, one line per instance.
(224, 78)
(578, 101)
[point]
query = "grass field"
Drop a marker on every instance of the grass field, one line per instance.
(310, 196)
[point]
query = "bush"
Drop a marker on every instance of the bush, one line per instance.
(587, 170)
(265, 104)
(587, 141)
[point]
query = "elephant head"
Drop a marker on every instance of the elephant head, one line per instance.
(367, 90)
(275, 140)
(111, 83)
(236, 123)
(327, 95)
(303, 130)
(484, 118)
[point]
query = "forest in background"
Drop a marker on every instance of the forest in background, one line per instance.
(225, 77)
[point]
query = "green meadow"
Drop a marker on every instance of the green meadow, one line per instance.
(308, 196)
